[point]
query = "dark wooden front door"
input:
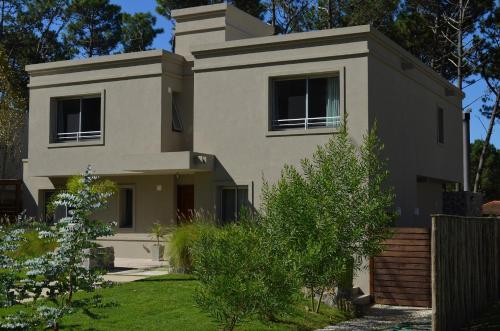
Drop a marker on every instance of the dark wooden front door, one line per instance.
(185, 202)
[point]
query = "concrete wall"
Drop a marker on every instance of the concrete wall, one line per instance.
(231, 117)
(404, 103)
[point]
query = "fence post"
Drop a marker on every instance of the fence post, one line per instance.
(436, 323)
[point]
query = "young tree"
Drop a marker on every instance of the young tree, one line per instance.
(13, 106)
(138, 31)
(489, 183)
(333, 214)
(60, 273)
(239, 276)
(95, 28)
(487, 59)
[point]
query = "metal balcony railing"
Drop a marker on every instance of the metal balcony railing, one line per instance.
(77, 136)
(307, 123)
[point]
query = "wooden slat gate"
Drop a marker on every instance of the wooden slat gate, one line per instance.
(401, 275)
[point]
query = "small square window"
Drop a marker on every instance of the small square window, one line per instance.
(306, 103)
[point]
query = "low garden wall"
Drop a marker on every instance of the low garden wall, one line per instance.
(465, 268)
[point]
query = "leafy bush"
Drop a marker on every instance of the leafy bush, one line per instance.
(331, 214)
(183, 238)
(238, 277)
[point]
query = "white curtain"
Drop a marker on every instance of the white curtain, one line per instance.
(333, 103)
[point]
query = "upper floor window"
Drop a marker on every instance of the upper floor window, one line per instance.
(306, 103)
(440, 125)
(176, 119)
(78, 119)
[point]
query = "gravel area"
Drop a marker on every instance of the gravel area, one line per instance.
(382, 317)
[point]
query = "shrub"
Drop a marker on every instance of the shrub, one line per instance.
(183, 238)
(238, 278)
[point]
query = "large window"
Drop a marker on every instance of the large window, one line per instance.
(78, 119)
(306, 103)
(126, 207)
(233, 201)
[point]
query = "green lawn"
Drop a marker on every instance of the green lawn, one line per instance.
(166, 303)
(490, 320)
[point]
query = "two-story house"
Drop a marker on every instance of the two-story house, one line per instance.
(201, 127)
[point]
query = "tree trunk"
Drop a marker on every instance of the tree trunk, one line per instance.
(344, 292)
(320, 298)
(486, 143)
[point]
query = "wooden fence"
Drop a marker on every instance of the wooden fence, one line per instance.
(401, 275)
(465, 268)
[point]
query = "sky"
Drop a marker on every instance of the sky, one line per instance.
(473, 93)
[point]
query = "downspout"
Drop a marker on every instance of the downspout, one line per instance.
(466, 148)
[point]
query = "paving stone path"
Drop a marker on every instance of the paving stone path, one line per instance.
(388, 318)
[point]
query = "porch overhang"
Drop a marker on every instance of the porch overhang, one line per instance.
(169, 163)
(184, 162)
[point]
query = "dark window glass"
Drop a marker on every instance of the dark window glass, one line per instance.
(306, 103)
(78, 119)
(440, 125)
(176, 120)
(8, 195)
(126, 207)
(233, 202)
(91, 114)
(68, 116)
(318, 98)
(289, 103)
(228, 205)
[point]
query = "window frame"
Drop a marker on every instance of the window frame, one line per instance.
(119, 206)
(54, 101)
(312, 71)
(176, 113)
(235, 188)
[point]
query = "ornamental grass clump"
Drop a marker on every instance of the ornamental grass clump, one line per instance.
(59, 273)
(183, 237)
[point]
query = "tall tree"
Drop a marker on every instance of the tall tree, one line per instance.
(287, 16)
(487, 60)
(489, 183)
(138, 31)
(439, 33)
(95, 28)
(252, 7)
(13, 107)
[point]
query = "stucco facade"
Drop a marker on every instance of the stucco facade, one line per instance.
(220, 83)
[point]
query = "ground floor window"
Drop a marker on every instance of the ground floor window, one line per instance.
(126, 207)
(233, 201)
(50, 215)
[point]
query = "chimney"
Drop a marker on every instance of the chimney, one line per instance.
(214, 24)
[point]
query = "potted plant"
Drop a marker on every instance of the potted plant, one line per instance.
(157, 233)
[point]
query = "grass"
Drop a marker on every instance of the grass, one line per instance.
(166, 303)
(490, 320)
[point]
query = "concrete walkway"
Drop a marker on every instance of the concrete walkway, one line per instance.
(129, 270)
(382, 317)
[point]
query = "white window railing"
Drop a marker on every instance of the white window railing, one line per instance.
(78, 136)
(306, 123)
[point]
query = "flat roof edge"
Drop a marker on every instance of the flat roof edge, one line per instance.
(103, 60)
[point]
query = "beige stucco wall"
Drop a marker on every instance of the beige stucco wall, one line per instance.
(404, 103)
